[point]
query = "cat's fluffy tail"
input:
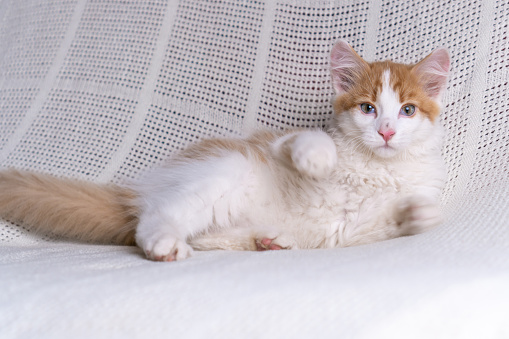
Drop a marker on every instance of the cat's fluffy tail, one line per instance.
(73, 209)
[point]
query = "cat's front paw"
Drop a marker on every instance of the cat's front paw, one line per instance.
(314, 154)
(418, 214)
(165, 247)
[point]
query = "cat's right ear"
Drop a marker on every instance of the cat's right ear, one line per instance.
(433, 71)
(346, 66)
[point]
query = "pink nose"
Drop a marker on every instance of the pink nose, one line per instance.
(387, 134)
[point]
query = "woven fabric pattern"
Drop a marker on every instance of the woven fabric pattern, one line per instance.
(103, 90)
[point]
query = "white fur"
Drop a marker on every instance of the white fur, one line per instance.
(186, 198)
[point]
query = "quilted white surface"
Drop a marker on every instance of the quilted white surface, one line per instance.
(101, 90)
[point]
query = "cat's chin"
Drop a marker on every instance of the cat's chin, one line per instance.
(385, 151)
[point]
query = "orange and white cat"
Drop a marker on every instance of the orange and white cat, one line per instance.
(375, 175)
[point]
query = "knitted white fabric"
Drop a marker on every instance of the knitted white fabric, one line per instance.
(102, 90)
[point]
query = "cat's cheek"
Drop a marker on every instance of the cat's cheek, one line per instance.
(417, 133)
(362, 119)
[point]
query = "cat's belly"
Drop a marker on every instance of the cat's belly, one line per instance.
(321, 214)
(334, 212)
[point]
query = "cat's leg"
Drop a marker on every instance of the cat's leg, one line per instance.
(416, 214)
(407, 215)
(312, 153)
(186, 199)
(244, 239)
(160, 239)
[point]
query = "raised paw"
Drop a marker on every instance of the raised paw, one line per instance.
(314, 154)
(418, 214)
(166, 248)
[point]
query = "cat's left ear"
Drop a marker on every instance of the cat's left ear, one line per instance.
(346, 66)
(433, 71)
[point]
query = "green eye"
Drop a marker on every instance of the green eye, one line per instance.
(407, 110)
(367, 108)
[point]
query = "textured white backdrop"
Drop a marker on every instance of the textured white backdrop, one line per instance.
(102, 90)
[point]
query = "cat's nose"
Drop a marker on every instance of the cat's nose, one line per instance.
(387, 134)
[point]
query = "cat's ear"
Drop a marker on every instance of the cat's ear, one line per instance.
(346, 66)
(433, 71)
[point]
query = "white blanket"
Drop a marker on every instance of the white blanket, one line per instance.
(101, 91)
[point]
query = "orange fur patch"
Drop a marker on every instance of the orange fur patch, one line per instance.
(402, 79)
(257, 146)
(73, 209)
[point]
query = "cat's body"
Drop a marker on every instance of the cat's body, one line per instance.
(377, 174)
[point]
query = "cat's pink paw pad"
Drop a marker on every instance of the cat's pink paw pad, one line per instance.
(267, 244)
(275, 243)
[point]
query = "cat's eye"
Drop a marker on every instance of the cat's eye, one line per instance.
(367, 108)
(407, 110)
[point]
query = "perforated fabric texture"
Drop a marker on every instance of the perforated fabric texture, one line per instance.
(103, 90)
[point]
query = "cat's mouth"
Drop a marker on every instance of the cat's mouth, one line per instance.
(386, 150)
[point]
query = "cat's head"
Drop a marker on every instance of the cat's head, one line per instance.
(386, 108)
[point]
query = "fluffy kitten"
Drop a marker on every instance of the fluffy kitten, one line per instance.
(377, 174)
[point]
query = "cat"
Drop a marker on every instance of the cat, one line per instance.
(376, 174)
